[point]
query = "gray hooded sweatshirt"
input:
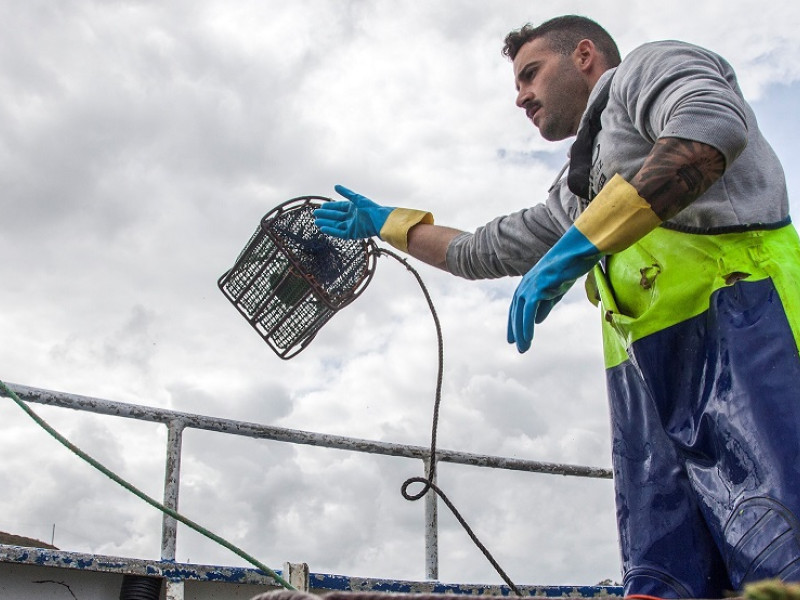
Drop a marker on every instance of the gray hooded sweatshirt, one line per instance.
(661, 89)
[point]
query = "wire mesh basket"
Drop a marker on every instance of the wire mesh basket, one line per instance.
(291, 278)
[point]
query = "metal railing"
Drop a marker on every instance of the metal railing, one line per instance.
(177, 421)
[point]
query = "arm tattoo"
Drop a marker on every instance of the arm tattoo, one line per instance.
(676, 173)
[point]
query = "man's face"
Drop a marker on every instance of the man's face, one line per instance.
(552, 90)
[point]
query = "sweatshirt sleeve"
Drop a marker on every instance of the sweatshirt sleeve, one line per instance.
(674, 89)
(512, 244)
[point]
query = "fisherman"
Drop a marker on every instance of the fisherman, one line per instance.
(676, 208)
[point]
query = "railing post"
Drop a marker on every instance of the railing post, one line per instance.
(177, 421)
(297, 574)
(172, 477)
(175, 589)
(431, 527)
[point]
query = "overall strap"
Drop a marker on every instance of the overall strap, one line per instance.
(580, 158)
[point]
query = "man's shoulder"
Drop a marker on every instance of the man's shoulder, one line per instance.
(665, 50)
(666, 60)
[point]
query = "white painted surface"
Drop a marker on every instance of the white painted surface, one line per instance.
(29, 582)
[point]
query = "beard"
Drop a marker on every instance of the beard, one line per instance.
(564, 106)
(554, 129)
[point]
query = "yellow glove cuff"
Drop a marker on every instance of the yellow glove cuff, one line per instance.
(617, 217)
(400, 220)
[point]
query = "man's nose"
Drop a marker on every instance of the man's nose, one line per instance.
(524, 96)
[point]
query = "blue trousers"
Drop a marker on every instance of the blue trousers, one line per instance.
(705, 417)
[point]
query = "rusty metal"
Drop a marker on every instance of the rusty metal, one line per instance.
(298, 575)
(297, 436)
(172, 476)
(169, 570)
(431, 526)
(290, 279)
(177, 421)
(175, 574)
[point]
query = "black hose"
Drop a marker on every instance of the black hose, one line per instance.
(428, 481)
(140, 587)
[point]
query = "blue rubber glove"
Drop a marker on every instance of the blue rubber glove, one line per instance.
(356, 218)
(616, 218)
(570, 258)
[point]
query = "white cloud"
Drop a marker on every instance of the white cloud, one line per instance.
(141, 143)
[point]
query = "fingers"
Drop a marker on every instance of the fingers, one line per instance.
(545, 306)
(525, 325)
(334, 228)
(332, 218)
(520, 322)
(346, 192)
(510, 337)
(527, 310)
(357, 199)
(350, 194)
(334, 210)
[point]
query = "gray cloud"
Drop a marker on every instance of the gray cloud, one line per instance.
(140, 144)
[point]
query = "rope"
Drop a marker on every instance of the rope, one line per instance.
(772, 589)
(6, 391)
(428, 482)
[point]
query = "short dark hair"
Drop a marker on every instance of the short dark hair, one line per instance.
(564, 33)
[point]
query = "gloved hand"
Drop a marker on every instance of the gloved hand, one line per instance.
(614, 220)
(547, 282)
(356, 218)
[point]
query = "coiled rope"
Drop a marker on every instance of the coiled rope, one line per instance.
(428, 482)
(6, 391)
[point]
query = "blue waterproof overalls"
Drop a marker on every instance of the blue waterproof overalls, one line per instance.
(701, 346)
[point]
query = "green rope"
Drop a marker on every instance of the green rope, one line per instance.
(772, 589)
(5, 391)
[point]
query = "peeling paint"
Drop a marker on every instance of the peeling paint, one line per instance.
(177, 421)
(295, 436)
(131, 566)
(318, 582)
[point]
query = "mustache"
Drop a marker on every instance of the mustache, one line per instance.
(531, 107)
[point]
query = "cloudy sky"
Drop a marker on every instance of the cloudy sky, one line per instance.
(140, 144)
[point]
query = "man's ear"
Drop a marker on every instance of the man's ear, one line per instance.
(585, 55)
